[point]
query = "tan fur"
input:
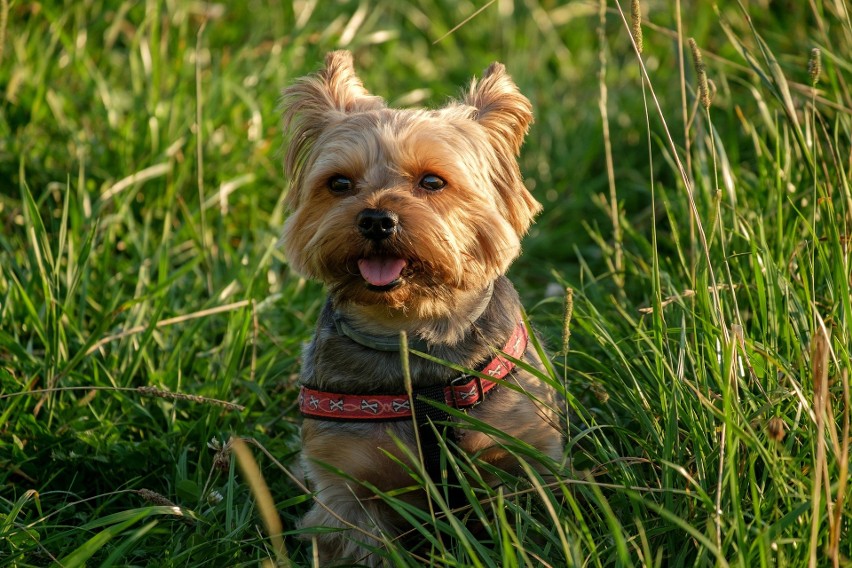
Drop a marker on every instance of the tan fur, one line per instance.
(457, 243)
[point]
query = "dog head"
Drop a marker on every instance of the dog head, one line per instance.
(404, 208)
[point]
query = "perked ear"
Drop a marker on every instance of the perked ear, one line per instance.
(506, 115)
(314, 102)
(502, 109)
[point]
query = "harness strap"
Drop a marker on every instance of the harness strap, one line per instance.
(428, 414)
(463, 392)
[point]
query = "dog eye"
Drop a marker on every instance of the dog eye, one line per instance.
(432, 182)
(339, 184)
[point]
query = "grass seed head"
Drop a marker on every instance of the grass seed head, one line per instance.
(819, 367)
(154, 497)
(701, 72)
(161, 393)
(815, 65)
(222, 461)
(600, 393)
(776, 429)
(157, 499)
(566, 320)
(636, 24)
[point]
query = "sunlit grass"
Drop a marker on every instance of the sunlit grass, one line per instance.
(148, 317)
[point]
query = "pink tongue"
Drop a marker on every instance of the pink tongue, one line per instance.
(380, 271)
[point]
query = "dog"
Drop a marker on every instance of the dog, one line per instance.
(410, 218)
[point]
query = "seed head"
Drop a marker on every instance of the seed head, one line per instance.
(776, 428)
(566, 320)
(636, 24)
(600, 393)
(222, 457)
(815, 65)
(701, 71)
(157, 499)
(154, 497)
(820, 348)
(161, 393)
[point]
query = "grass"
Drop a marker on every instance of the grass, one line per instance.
(148, 317)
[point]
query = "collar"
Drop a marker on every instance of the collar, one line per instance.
(464, 391)
(376, 342)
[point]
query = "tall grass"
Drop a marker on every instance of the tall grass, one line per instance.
(148, 318)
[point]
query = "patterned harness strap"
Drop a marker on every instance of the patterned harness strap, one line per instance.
(463, 392)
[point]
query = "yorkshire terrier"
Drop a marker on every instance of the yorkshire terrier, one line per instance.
(410, 218)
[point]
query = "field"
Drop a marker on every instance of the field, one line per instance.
(690, 275)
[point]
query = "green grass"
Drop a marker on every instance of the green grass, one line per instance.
(140, 206)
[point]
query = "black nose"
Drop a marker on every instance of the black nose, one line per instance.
(377, 224)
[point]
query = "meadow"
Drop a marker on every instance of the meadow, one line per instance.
(690, 276)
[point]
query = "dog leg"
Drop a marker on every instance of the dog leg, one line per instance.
(362, 526)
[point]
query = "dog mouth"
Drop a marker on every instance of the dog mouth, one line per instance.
(381, 273)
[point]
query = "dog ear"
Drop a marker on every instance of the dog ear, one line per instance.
(506, 115)
(501, 108)
(314, 102)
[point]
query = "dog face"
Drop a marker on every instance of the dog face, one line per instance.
(404, 208)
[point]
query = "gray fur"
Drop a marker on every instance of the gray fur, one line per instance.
(336, 363)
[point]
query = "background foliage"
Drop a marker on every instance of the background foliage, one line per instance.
(707, 369)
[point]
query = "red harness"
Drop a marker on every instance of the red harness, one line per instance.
(336, 406)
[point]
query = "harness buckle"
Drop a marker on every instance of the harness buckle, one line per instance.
(476, 393)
